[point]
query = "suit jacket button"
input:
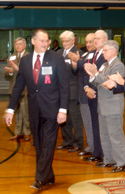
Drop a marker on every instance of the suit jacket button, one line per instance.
(36, 90)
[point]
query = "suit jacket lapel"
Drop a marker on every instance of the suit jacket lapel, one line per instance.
(46, 62)
(30, 67)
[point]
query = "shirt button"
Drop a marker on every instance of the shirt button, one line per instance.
(36, 90)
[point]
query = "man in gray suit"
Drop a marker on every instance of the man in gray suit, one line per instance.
(21, 117)
(71, 140)
(110, 108)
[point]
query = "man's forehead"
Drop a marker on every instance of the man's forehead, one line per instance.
(42, 34)
(66, 38)
(19, 41)
(99, 35)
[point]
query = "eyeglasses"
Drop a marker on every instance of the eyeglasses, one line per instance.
(65, 41)
(105, 50)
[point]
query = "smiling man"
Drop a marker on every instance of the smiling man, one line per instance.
(22, 128)
(45, 75)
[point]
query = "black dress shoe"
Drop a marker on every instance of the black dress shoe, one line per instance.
(101, 164)
(50, 182)
(84, 153)
(74, 149)
(91, 158)
(119, 169)
(37, 185)
(62, 147)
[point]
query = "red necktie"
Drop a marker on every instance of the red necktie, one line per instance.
(95, 56)
(36, 69)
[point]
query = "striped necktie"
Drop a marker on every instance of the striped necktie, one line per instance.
(95, 57)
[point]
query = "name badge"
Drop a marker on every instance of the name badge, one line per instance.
(12, 58)
(101, 68)
(90, 55)
(47, 70)
(68, 61)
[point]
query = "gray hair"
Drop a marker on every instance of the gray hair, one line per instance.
(20, 38)
(112, 44)
(67, 34)
(105, 35)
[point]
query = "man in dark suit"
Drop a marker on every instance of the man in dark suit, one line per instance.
(82, 98)
(22, 128)
(45, 75)
(91, 91)
(71, 140)
(56, 46)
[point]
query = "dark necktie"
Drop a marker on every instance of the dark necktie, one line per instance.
(95, 57)
(36, 69)
(19, 56)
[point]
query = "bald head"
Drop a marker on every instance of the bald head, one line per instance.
(89, 42)
(100, 37)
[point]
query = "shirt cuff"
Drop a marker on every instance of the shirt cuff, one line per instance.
(9, 110)
(62, 110)
(10, 74)
(85, 86)
(91, 79)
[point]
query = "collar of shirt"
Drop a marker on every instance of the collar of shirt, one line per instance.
(35, 57)
(112, 60)
(21, 54)
(100, 52)
(68, 50)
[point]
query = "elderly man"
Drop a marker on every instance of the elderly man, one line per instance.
(21, 115)
(71, 140)
(94, 57)
(110, 108)
(82, 98)
(97, 58)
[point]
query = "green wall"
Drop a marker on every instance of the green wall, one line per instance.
(61, 18)
(49, 18)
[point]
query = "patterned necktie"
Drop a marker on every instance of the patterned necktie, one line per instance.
(106, 67)
(95, 57)
(64, 53)
(36, 69)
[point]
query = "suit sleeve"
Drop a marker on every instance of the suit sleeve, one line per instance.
(119, 89)
(63, 81)
(18, 88)
(100, 78)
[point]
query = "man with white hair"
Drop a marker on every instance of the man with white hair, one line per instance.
(71, 140)
(110, 108)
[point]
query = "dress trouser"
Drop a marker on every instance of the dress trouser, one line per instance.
(22, 117)
(112, 139)
(74, 120)
(97, 152)
(86, 117)
(44, 136)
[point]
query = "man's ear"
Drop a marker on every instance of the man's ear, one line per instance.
(32, 41)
